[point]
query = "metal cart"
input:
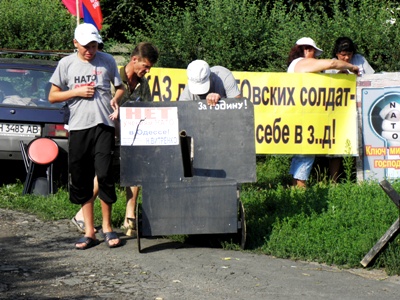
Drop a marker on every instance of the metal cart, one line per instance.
(190, 165)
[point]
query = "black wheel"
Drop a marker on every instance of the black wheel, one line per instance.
(137, 227)
(242, 230)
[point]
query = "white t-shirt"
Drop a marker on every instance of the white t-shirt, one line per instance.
(293, 64)
(359, 61)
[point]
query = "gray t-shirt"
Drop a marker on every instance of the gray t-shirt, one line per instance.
(221, 82)
(100, 72)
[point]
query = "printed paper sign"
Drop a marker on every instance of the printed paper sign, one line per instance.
(149, 126)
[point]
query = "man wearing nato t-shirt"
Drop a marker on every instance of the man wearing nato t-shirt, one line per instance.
(211, 84)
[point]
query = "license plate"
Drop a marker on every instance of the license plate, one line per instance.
(20, 129)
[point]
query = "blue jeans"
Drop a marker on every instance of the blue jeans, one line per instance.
(301, 166)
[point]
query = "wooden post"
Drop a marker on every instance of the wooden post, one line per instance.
(390, 191)
(381, 243)
(392, 231)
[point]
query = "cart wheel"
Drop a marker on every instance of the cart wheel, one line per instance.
(242, 230)
(137, 227)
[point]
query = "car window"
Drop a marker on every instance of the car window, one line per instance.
(25, 87)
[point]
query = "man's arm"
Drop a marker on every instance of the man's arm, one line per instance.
(312, 65)
(119, 93)
(58, 95)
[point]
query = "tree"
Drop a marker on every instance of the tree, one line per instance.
(257, 36)
(35, 24)
(123, 16)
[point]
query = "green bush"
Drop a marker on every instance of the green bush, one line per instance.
(35, 24)
(249, 36)
(245, 35)
(230, 33)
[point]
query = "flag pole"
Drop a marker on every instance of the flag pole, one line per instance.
(77, 13)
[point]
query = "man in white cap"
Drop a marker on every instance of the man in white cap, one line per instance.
(84, 80)
(302, 59)
(211, 84)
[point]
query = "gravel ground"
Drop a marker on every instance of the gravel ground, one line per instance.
(38, 261)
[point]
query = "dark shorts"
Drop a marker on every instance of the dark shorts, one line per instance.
(90, 153)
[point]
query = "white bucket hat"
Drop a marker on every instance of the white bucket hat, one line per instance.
(310, 42)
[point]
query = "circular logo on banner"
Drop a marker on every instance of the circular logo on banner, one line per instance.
(384, 118)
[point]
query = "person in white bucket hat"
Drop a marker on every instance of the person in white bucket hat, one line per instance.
(306, 41)
(211, 84)
(302, 59)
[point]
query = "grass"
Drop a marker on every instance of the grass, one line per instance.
(341, 233)
(328, 223)
(54, 207)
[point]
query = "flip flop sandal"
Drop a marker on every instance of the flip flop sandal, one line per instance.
(89, 243)
(80, 225)
(130, 230)
(108, 236)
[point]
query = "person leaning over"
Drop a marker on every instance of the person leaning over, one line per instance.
(302, 59)
(346, 50)
(84, 80)
(211, 84)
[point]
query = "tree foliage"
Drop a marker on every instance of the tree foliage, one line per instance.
(257, 36)
(35, 24)
(123, 16)
(247, 35)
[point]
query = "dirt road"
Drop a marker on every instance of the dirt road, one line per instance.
(38, 261)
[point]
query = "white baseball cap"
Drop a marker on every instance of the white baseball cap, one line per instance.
(198, 73)
(86, 33)
(310, 42)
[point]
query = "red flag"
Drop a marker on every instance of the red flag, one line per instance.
(71, 6)
(92, 13)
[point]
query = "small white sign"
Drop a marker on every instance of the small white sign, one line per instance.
(149, 126)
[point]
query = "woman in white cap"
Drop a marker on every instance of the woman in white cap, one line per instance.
(302, 59)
